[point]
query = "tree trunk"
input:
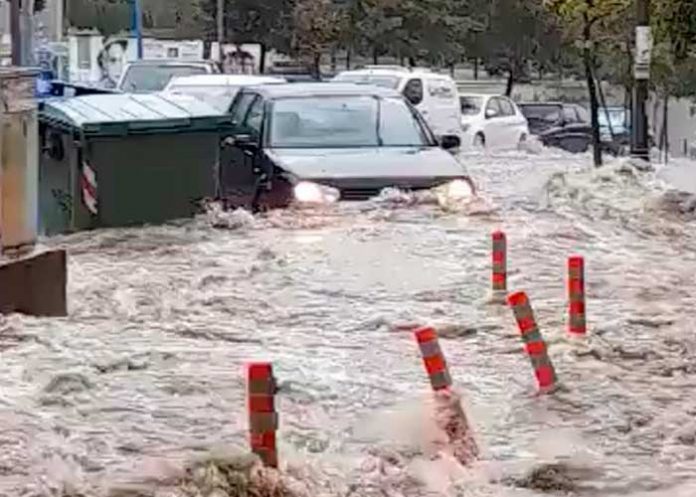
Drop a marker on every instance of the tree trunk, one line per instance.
(375, 56)
(510, 83)
(664, 138)
(655, 110)
(262, 58)
(587, 57)
(476, 68)
(317, 65)
(451, 69)
(411, 62)
(333, 60)
(349, 53)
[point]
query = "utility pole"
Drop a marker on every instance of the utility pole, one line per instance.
(137, 25)
(220, 28)
(16, 31)
(639, 129)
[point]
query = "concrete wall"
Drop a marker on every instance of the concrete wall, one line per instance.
(681, 125)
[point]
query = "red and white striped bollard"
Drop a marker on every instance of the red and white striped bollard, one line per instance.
(533, 342)
(263, 420)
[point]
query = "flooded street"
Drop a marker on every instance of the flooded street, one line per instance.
(146, 375)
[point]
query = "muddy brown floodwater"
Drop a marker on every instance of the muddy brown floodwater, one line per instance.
(146, 375)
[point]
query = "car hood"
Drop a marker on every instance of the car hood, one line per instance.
(385, 163)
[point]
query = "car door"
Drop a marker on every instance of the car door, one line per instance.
(494, 127)
(576, 136)
(519, 122)
(239, 176)
(510, 134)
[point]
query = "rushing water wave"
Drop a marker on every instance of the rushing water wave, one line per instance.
(140, 391)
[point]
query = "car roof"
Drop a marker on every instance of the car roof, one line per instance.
(480, 95)
(395, 71)
(173, 62)
(224, 80)
(544, 104)
(321, 89)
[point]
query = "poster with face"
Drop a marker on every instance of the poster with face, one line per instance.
(111, 60)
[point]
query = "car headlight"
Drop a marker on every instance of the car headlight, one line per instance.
(458, 190)
(307, 192)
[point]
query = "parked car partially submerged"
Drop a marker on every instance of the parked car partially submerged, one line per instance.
(565, 126)
(319, 143)
(568, 126)
(492, 121)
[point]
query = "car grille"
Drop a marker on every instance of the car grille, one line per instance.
(359, 193)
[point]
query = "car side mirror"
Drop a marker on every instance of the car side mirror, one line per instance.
(491, 113)
(448, 142)
(245, 142)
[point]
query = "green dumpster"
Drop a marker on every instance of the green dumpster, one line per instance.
(120, 160)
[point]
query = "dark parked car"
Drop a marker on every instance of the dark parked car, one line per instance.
(293, 73)
(560, 125)
(568, 126)
(323, 142)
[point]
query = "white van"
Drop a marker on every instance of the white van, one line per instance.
(434, 95)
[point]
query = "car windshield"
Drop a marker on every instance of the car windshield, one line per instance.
(344, 121)
(391, 82)
(219, 97)
(471, 106)
(546, 113)
(151, 78)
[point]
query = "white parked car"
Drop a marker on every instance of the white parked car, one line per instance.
(217, 90)
(434, 95)
(492, 121)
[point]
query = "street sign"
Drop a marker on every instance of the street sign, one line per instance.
(644, 44)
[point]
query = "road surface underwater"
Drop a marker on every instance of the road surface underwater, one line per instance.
(141, 391)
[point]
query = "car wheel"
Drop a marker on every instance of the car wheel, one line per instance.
(479, 141)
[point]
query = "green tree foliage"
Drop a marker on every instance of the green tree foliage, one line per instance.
(106, 16)
(582, 20)
(317, 25)
(430, 30)
(675, 23)
(179, 18)
(518, 34)
(39, 5)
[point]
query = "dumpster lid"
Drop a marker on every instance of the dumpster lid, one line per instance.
(123, 113)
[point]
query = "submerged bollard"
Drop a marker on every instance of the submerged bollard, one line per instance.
(449, 413)
(263, 420)
(434, 361)
(533, 342)
(499, 266)
(577, 323)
